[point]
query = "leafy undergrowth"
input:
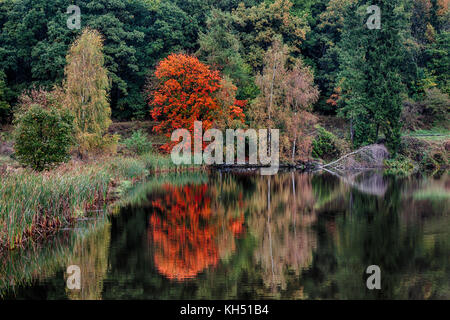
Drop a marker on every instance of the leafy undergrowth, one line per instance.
(429, 152)
(401, 166)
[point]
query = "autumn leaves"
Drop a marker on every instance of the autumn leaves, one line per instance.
(188, 91)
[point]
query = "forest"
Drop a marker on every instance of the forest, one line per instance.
(307, 58)
(91, 92)
(100, 102)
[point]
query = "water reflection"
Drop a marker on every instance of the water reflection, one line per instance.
(246, 236)
(282, 223)
(186, 235)
(38, 272)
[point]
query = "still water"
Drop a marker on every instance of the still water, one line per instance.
(239, 235)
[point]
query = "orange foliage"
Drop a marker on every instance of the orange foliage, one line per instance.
(236, 225)
(185, 238)
(334, 98)
(187, 91)
(442, 7)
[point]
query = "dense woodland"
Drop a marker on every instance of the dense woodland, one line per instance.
(276, 63)
(311, 68)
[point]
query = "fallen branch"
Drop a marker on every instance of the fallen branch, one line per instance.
(346, 156)
(369, 157)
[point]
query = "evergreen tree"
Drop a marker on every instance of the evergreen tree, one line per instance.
(220, 48)
(371, 63)
(4, 105)
(439, 60)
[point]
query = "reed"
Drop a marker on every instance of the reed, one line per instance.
(40, 261)
(156, 162)
(33, 204)
(127, 168)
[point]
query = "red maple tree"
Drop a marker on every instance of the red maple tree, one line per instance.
(186, 91)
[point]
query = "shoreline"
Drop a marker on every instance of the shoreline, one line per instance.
(34, 206)
(106, 182)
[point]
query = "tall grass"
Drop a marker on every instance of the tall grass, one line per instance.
(130, 168)
(127, 168)
(157, 162)
(33, 204)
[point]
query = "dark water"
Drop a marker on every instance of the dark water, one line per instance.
(246, 236)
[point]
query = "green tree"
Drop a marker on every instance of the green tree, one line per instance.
(420, 18)
(371, 65)
(258, 25)
(4, 105)
(327, 30)
(220, 48)
(229, 5)
(33, 43)
(34, 40)
(43, 137)
(439, 60)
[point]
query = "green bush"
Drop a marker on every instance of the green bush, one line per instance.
(400, 166)
(434, 160)
(439, 103)
(325, 145)
(43, 137)
(138, 143)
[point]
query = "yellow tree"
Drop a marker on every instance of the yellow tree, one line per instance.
(287, 92)
(86, 89)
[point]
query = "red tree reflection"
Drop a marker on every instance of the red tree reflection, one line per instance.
(184, 232)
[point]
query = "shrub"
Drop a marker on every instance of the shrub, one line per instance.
(325, 145)
(40, 96)
(432, 111)
(43, 137)
(413, 115)
(434, 160)
(138, 143)
(413, 148)
(94, 143)
(400, 166)
(439, 104)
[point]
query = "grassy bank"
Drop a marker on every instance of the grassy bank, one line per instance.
(34, 205)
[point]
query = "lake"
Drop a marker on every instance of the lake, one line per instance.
(240, 235)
